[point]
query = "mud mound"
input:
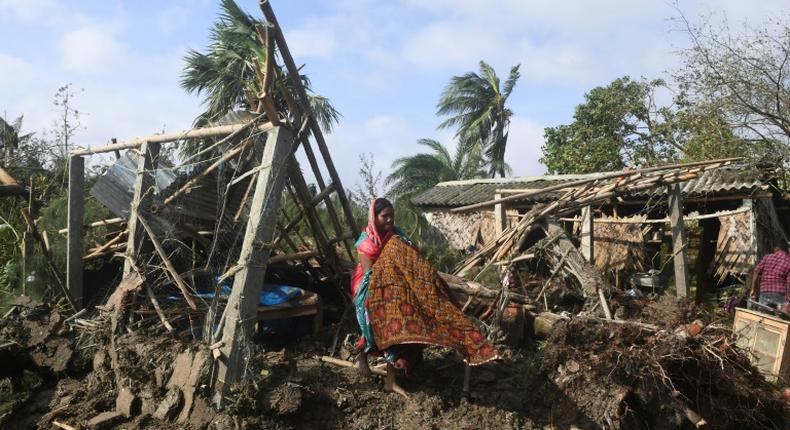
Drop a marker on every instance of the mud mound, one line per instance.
(628, 376)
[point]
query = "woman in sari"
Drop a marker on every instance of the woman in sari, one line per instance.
(380, 229)
(403, 304)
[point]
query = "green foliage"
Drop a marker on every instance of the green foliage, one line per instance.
(617, 126)
(370, 185)
(54, 216)
(10, 257)
(476, 106)
(226, 72)
(417, 173)
(620, 125)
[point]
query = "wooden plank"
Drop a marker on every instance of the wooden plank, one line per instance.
(679, 242)
(76, 212)
(587, 234)
(240, 313)
(171, 137)
(141, 201)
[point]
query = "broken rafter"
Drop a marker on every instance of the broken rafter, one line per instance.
(624, 174)
(170, 269)
(173, 137)
(214, 166)
(293, 70)
(590, 192)
(101, 223)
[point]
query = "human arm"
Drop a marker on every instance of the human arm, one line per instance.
(755, 290)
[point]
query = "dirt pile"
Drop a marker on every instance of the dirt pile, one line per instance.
(664, 372)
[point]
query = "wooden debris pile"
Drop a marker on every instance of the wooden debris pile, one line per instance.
(199, 239)
(635, 375)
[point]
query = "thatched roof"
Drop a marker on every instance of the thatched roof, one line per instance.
(741, 179)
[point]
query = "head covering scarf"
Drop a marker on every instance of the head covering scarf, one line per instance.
(372, 242)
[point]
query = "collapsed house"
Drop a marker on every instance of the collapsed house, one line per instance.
(220, 243)
(732, 216)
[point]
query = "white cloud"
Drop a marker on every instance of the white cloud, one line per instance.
(314, 38)
(452, 44)
(523, 147)
(387, 137)
(15, 73)
(173, 17)
(28, 10)
(91, 50)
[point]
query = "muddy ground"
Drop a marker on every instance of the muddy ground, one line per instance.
(588, 374)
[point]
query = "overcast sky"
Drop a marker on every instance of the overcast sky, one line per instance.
(382, 63)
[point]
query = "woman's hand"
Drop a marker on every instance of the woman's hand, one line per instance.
(365, 262)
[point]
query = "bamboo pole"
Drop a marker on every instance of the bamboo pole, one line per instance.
(285, 53)
(214, 166)
(101, 223)
(170, 137)
(170, 269)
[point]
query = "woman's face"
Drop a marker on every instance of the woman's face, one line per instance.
(385, 220)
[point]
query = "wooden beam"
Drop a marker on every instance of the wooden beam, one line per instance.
(304, 255)
(500, 215)
(240, 313)
(171, 137)
(141, 201)
(76, 212)
(679, 242)
(587, 234)
(293, 70)
(169, 268)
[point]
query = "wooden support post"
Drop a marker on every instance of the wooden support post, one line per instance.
(241, 310)
(143, 188)
(76, 211)
(679, 243)
(500, 215)
(587, 234)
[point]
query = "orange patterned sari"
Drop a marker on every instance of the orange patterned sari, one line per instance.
(408, 303)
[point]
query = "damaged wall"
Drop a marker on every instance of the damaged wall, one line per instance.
(461, 230)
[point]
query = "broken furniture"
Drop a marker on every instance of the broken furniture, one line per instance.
(308, 303)
(766, 338)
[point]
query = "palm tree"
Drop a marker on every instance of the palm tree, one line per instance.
(422, 171)
(475, 104)
(226, 72)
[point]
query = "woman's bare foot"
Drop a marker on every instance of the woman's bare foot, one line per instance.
(362, 364)
(390, 384)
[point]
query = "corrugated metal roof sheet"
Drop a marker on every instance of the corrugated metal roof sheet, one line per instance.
(199, 206)
(460, 193)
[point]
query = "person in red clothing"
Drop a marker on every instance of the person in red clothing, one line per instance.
(772, 277)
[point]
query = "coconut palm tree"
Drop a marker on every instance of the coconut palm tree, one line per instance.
(226, 73)
(476, 105)
(419, 172)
